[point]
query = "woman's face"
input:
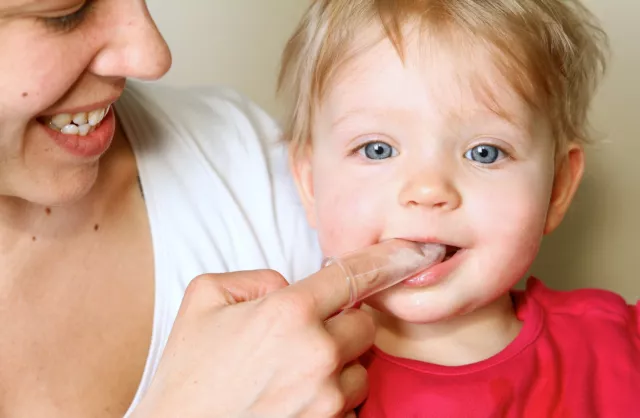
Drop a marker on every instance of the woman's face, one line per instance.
(62, 64)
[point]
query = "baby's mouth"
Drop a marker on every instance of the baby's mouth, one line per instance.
(450, 251)
(82, 123)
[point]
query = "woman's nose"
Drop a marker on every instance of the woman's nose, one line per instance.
(134, 47)
(430, 190)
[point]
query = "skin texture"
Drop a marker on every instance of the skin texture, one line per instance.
(77, 290)
(426, 116)
(47, 69)
(77, 278)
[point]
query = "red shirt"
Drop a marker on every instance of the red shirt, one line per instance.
(577, 356)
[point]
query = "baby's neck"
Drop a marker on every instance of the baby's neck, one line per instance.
(461, 340)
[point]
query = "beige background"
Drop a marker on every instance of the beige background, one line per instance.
(238, 43)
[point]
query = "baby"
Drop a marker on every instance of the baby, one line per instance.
(461, 122)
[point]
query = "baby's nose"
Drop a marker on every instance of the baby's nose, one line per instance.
(430, 191)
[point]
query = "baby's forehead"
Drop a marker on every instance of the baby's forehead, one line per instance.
(430, 82)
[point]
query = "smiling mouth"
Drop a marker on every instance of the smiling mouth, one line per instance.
(81, 124)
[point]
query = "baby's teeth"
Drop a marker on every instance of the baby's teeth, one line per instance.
(80, 118)
(70, 130)
(95, 116)
(61, 120)
(83, 130)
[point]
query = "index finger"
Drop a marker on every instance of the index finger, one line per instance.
(359, 274)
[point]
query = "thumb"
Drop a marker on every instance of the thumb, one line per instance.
(224, 289)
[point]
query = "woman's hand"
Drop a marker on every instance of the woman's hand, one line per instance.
(247, 345)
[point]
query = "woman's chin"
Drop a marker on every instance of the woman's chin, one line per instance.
(59, 188)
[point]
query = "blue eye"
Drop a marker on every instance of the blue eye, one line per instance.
(484, 154)
(378, 150)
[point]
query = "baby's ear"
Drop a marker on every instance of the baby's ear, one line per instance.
(568, 176)
(300, 162)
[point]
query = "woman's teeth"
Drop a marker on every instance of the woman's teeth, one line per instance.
(79, 123)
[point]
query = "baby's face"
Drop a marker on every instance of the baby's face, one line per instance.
(412, 151)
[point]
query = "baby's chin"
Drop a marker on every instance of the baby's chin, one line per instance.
(421, 306)
(400, 305)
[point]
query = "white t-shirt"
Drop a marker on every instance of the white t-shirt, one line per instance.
(218, 192)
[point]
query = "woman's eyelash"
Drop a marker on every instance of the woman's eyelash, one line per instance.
(72, 20)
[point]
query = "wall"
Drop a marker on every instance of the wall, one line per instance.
(228, 42)
(238, 43)
(596, 245)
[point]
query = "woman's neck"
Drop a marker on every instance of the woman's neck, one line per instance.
(461, 340)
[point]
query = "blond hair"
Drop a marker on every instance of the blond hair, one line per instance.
(552, 52)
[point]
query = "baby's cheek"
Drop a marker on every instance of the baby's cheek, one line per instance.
(513, 233)
(346, 223)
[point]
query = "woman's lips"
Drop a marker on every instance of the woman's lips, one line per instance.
(92, 144)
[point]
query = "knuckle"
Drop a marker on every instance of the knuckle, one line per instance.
(333, 402)
(354, 381)
(328, 355)
(196, 289)
(359, 374)
(288, 309)
(271, 277)
(363, 319)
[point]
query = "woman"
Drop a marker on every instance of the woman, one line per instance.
(106, 216)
